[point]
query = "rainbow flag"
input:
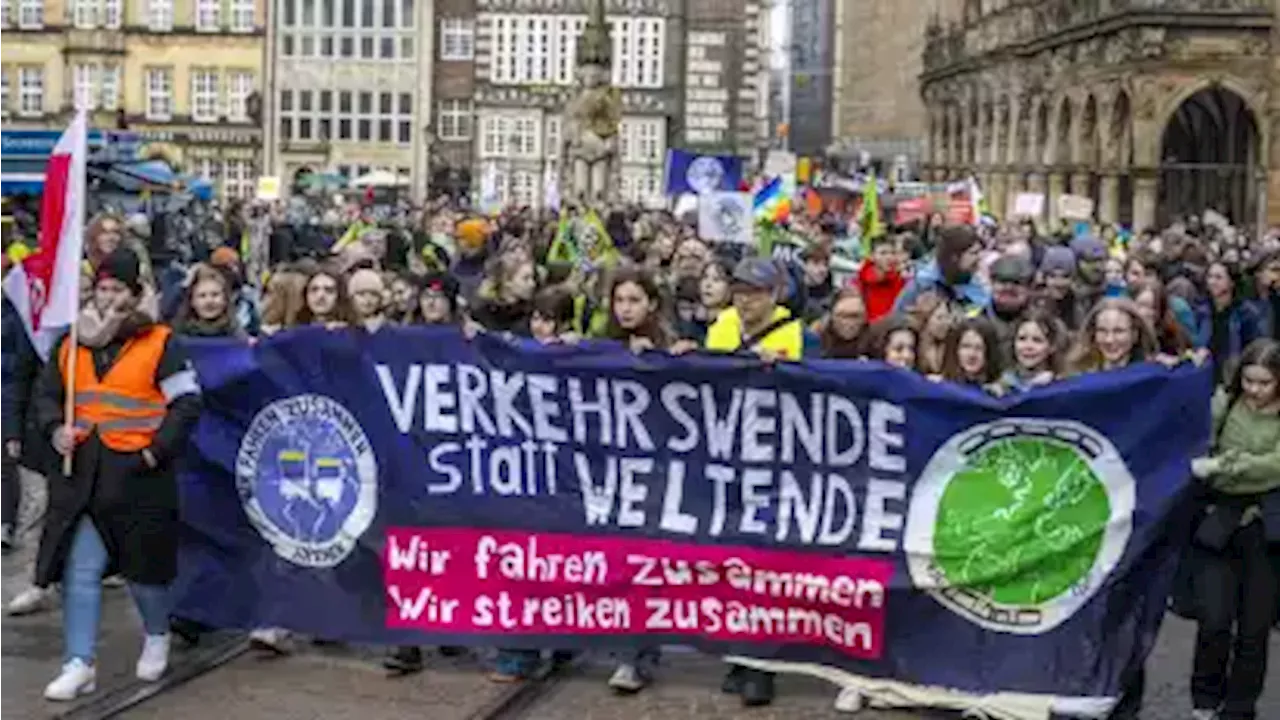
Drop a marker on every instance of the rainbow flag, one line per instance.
(772, 201)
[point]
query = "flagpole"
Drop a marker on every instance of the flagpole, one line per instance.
(69, 404)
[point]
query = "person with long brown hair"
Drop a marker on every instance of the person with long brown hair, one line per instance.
(635, 311)
(325, 300)
(1149, 295)
(932, 316)
(972, 354)
(282, 303)
(206, 309)
(844, 331)
(1114, 335)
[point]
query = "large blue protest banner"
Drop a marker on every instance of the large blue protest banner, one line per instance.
(411, 486)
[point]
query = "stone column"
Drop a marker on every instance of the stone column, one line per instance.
(1035, 184)
(1057, 187)
(997, 193)
(1144, 201)
(1080, 184)
(1109, 198)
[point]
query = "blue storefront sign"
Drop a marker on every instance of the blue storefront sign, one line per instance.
(24, 154)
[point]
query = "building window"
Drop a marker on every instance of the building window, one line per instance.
(237, 179)
(239, 88)
(30, 14)
(493, 136)
(553, 139)
(112, 14)
(6, 13)
(160, 15)
(542, 49)
(159, 93)
(524, 137)
(4, 91)
(642, 140)
(454, 120)
(84, 13)
(204, 95)
(207, 169)
(510, 136)
(110, 91)
(638, 47)
(207, 12)
(457, 39)
(242, 15)
(82, 81)
(31, 91)
(524, 187)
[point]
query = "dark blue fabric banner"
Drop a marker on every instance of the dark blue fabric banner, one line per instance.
(415, 487)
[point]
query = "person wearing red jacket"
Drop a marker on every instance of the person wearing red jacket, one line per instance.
(880, 278)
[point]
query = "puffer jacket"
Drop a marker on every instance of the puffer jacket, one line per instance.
(19, 366)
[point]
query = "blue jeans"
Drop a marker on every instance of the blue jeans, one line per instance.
(82, 595)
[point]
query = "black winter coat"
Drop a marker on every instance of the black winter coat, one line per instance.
(21, 367)
(134, 508)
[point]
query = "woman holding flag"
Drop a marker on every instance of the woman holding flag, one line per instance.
(118, 400)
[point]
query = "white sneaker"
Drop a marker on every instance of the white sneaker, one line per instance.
(77, 678)
(272, 640)
(627, 679)
(154, 659)
(31, 601)
(1204, 714)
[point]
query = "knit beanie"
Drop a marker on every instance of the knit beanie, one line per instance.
(121, 265)
(1088, 247)
(1058, 259)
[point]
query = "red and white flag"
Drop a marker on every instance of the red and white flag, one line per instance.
(45, 287)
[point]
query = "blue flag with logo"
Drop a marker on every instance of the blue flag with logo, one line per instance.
(690, 172)
(414, 487)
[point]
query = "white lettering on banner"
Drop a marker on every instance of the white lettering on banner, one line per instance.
(425, 605)
(711, 615)
(524, 429)
(575, 610)
(523, 562)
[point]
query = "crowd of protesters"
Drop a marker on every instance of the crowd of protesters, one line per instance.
(1001, 309)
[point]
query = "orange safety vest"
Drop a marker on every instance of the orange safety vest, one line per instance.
(125, 407)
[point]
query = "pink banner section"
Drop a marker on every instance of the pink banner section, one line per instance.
(465, 580)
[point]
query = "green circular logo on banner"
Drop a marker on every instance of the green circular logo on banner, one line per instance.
(1015, 524)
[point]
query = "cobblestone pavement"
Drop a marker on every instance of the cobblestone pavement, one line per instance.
(326, 686)
(346, 684)
(30, 647)
(322, 687)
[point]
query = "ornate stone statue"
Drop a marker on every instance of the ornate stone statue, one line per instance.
(592, 116)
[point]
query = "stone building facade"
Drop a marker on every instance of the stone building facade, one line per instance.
(349, 88)
(691, 74)
(1152, 109)
(875, 83)
(183, 74)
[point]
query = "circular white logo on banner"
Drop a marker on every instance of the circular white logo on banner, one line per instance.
(705, 174)
(308, 479)
(1015, 524)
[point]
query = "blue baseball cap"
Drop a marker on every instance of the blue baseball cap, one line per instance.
(757, 272)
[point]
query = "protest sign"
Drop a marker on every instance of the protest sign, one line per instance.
(1027, 204)
(412, 487)
(1075, 207)
(726, 217)
(268, 187)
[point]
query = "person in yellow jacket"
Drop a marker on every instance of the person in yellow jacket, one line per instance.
(136, 399)
(755, 321)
